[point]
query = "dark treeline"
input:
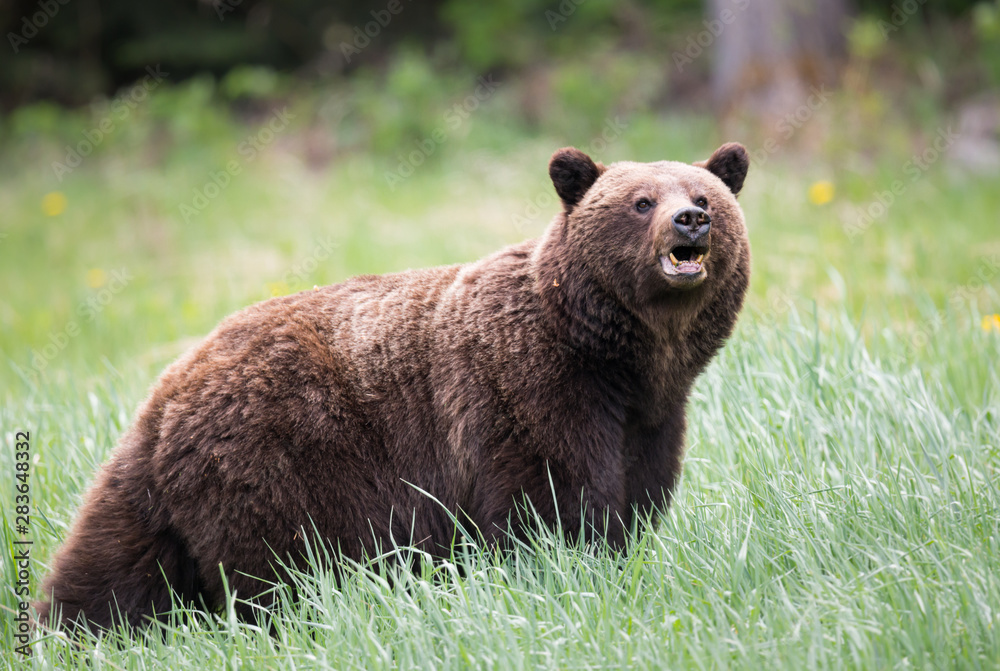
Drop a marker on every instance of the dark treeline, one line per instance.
(69, 50)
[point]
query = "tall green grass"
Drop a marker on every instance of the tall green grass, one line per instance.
(838, 509)
(840, 503)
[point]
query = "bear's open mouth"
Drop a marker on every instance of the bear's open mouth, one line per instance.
(684, 260)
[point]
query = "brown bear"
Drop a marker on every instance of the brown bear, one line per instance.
(382, 409)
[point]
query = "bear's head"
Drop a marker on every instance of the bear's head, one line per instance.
(654, 237)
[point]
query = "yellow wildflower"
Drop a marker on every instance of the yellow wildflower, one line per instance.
(54, 203)
(96, 278)
(821, 193)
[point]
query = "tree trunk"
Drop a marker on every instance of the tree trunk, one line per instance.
(771, 52)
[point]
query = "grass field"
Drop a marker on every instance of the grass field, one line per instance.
(840, 504)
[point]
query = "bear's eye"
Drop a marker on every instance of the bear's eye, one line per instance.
(701, 202)
(643, 205)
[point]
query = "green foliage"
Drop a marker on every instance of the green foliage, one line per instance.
(477, 26)
(986, 22)
(82, 51)
(586, 93)
(406, 103)
(865, 40)
(252, 82)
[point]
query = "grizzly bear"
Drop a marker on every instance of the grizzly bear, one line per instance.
(385, 409)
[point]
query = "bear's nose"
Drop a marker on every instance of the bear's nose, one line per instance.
(692, 222)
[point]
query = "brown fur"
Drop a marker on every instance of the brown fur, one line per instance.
(568, 357)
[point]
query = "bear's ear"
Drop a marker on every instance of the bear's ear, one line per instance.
(573, 173)
(729, 163)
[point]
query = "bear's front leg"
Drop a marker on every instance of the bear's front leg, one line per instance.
(580, 487)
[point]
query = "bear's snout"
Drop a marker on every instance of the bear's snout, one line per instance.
(693, 223)
(686, 243)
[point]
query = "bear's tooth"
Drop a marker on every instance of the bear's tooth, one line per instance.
(700, 257)
(673, 259)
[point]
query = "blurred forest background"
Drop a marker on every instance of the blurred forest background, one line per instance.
(218, 144)
(379, 72)
(212, 147)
